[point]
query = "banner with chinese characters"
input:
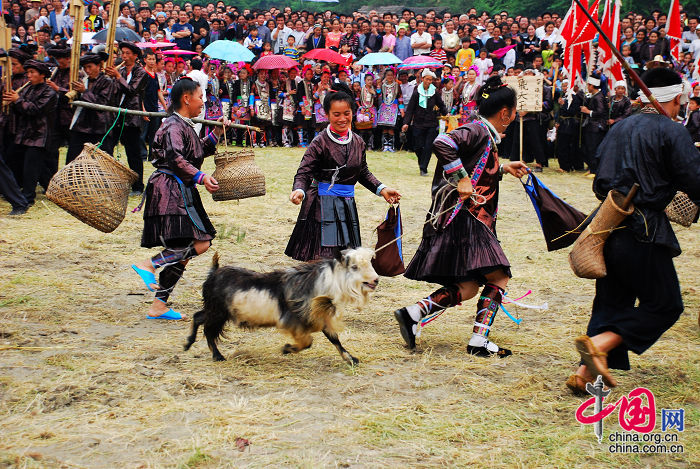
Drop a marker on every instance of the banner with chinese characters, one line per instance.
(529, 90)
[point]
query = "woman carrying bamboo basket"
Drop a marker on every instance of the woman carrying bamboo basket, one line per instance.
(174, 216)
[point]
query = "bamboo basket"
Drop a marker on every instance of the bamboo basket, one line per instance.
(94, 188)
(586, 257)
(682, 210)
(238, 175)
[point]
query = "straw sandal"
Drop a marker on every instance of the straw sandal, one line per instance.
(577, 384)
(596, 361)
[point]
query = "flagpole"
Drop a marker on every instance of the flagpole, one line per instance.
(633, 75)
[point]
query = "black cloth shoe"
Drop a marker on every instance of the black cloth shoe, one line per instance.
(406, 324)
(18, 211)
(484, 352)
(423, 173)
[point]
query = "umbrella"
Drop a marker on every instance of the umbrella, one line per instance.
(271, 62)
(179, 52)
(87, 38)
(560, 221)
(120, 34)
(229, 51)
(155, 45)
(379, 58)
(420, 61)
(326, 55)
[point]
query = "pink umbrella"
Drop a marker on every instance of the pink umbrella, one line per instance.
(271, 62)
(154, 45)
(179, 52)
(420, 61)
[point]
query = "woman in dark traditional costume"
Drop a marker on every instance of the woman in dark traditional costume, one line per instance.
(174, 216)
(459, 248)
(325, 186)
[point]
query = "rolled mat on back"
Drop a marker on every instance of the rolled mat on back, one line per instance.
(586, 257)
(94, 188)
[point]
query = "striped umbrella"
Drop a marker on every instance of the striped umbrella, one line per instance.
(271, 62)
(419, 61)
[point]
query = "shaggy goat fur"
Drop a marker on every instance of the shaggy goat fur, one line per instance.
(300, 300)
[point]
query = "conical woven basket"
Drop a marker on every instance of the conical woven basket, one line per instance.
(238, 175)
(586, 257)
(682, 210)
(94, 188)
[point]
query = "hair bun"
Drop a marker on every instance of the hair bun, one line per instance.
(492, 84)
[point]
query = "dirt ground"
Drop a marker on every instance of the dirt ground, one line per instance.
(87, 381)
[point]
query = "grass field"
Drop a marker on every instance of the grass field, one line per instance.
(87, 381)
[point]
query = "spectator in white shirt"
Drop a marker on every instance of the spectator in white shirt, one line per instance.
(279, 34)
(421, 40)
(546, 18)
(486, 35)
(200, 77)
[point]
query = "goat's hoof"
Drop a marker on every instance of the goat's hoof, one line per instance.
(219, 358)
(187, 346)
(288, 348)
(350, 359)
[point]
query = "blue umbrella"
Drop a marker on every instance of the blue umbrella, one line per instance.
(379, 58)
(229, 51)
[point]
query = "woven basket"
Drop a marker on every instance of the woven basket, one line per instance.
(238, 175)
(586, 257)
(94, 188)
(682, 210)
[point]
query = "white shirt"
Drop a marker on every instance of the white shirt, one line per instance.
(509, 59)
(425, 37)
(483, 66)
(485, 37)
(450, 41)
(539, 32)
(299, 37)
(281, 42)
(203, 80)
(407, 90)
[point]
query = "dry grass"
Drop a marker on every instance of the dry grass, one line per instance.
(87, 381)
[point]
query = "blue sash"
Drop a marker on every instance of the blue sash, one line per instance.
(338, 190)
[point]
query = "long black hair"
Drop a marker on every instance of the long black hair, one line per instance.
(494, 96)
(181, 87)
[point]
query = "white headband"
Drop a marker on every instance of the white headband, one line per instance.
(428, 73)
(663, 94)
(621, 83)
(593, 81)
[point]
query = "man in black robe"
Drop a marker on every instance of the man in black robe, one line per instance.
(60, 83)
(131, 81)
(89, 125)
(569, 121)
(595, 125)
(640, 297)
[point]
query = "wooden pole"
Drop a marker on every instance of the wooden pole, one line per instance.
(632, 74)
(77, 11)
(113, 15)
(102, 107)
(521, 136)
(5, 62)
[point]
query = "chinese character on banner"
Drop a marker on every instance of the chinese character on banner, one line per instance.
(672, 418)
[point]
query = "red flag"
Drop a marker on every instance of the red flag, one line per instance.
(673, 29)
(611, 27)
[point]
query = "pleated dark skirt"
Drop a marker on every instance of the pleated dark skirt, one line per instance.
(168, 229)
(467, 250)
(306, 243)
